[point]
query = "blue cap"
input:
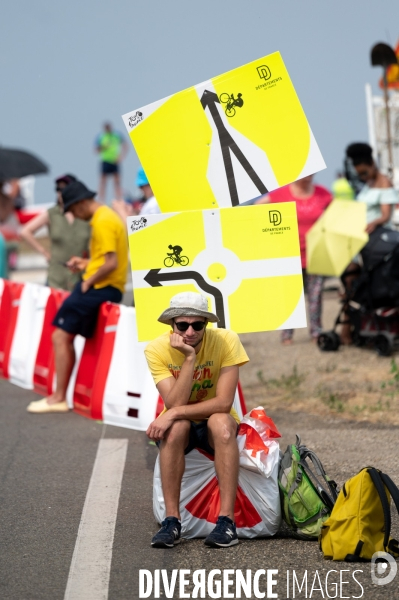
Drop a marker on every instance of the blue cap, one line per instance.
(141, 178)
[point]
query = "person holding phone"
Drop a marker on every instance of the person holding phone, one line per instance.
(68, 237)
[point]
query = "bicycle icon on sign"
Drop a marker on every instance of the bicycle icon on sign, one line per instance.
(175, 257)
(231, 103)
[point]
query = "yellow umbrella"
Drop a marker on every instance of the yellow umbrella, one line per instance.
(336, 238)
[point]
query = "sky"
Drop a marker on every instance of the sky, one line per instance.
(66, 67)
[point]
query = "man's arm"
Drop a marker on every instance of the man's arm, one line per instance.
(110, 264)
(222, 403)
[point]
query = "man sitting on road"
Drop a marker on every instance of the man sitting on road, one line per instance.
(196, 372)
(103, 280)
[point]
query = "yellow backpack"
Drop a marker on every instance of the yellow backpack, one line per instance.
(360, 522)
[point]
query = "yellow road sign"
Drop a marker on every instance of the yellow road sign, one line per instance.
(245, 260)
(227, 140)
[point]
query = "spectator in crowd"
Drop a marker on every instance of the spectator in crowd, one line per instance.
(377, 193)
(68, 237)
(104, 277)
(311, 201)
(379, 196)
(149, 205)
(112, 149)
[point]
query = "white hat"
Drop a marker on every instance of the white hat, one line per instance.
(187, 304)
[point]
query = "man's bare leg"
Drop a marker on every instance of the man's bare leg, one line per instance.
(222, 429)
(64, 355)
(101, 188)
(118, 187)
(172, 465)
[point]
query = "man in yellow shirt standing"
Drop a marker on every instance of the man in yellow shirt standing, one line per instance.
(103, 280)
(196, 372)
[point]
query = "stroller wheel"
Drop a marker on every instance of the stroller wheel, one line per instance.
(358, 340)
(328, 341)
(383, 345)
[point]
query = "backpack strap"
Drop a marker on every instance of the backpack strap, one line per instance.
(376, 479)
(393, 545)
(392, 488)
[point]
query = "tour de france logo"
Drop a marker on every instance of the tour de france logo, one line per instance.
(137, 224)
(135, 119)
(231, 103)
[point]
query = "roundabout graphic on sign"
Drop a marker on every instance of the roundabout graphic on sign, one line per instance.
(251, 276)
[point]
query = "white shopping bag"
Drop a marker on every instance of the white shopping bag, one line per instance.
(257, 508)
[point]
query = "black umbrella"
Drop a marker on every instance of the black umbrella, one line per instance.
(15, 164)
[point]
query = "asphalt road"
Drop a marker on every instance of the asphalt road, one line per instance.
(46, 465)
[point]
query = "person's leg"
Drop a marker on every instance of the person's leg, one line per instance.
(102, 187)
(286, 337)
(117, 186)
(64, 358)
(314, 285)
(172, 464)
(222, 435)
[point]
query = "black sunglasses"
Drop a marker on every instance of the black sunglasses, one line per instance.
(197, 325)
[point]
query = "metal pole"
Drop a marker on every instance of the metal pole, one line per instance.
(388, 119)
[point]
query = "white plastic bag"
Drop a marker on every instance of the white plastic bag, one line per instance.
(257, 508)
(257, 442)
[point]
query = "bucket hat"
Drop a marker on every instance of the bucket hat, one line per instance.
(187, 304)
(75, 192)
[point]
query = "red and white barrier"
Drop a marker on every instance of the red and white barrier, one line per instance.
(110, 380)
(130, 397)
(27, 334)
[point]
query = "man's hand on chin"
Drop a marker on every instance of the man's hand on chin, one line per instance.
(177, 342)
(157, 429)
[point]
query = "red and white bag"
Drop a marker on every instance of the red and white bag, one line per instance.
(257, 507)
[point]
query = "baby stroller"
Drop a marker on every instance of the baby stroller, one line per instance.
(371, 300)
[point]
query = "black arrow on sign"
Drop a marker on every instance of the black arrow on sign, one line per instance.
(154, 278)
(227, 143)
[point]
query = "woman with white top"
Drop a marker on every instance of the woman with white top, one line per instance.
(379, 196)
(377, 193)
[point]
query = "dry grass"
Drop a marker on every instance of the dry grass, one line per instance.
(353, 383)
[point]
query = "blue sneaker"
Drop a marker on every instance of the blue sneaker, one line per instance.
(224, 534)
(168, 535)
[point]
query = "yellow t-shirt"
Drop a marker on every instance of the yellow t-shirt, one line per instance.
(220, 348)
(108, 234)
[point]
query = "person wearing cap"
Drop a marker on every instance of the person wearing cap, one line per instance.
(195, 369)
(68, 237)
(150, 206)
(104, 277)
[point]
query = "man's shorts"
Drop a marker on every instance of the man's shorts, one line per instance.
(78, 313)
(109, 168)
(198, 438)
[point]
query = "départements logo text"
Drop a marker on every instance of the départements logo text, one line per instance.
(275, 219)
(265, 74)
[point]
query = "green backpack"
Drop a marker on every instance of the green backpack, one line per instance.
(307, 494)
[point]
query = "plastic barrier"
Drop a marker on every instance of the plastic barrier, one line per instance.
(130, 395)
(8, 318)
(94, 365)
(27, 333)
(43, 373)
